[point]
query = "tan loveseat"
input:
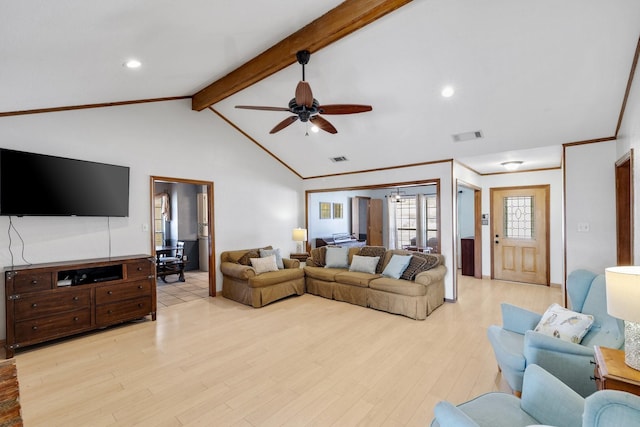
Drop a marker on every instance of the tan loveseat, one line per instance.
(415, 298)
(241, 283)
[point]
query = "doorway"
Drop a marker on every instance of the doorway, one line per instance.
(205, 229)
(624, 209)
(520, 234)
(469, 229)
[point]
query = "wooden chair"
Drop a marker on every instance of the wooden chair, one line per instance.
(167, 265)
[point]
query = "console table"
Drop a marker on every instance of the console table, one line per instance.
(54, 300)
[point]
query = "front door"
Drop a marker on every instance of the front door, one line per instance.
(520, 237)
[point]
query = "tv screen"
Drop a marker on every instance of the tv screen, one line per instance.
(41, 185)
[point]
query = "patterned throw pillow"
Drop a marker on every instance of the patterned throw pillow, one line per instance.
(318, 256)
(374, 251)
(432, 260)
(416, 265)
(564, 324)
(245, 259)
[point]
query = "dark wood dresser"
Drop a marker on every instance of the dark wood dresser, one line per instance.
(49, 301)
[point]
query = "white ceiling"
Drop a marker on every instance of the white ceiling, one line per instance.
(530, 74)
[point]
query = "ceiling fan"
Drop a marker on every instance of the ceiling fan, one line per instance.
(306, 107)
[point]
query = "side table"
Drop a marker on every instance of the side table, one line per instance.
(302, 256)
(612, 373)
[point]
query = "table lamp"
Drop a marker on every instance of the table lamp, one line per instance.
(299, 235)
(623, 302)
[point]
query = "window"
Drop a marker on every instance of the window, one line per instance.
(416, 219)
(518, 218)
(406, 220)
(158, 226)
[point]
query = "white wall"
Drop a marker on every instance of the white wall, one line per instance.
(629, 138)
(257, 201)
(590, 202)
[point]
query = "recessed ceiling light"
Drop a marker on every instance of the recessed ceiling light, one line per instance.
(132, 63)
(448, 91)
(511, 166)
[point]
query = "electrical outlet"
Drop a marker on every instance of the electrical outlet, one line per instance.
(145, 227)
(583, 227)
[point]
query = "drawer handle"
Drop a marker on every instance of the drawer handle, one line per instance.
(109, 311)
(34, 305)
(109, 292)
(35, 328)
(76, 298)
(34, 282)
(139, 286)
(139, 268)
(75, 319)
(139, 305)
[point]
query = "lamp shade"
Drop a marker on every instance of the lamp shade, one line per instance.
(623, 292)
(299, 234)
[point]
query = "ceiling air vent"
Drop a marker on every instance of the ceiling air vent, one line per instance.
(467, 136)
(338, 159)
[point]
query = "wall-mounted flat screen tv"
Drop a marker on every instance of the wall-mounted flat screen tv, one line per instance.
(42, 185)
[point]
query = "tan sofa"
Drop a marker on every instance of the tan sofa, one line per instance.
(415, 298)
(241, 283)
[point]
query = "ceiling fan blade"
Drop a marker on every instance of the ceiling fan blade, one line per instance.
(257, 107)
(344, 108)
(323, 124)
(304, 96)
(283, 124)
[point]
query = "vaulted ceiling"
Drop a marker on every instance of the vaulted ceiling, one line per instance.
(528, 75)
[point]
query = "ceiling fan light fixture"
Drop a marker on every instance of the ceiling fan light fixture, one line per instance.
(315, 129)
(511, 165)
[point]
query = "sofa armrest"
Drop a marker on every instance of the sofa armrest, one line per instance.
(536, 340)
(518, 320)
(431, 276)
(291, 263)
(239, 271)
(549, 400)
(448, 415)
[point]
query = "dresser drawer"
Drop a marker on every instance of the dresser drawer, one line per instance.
(25, 281)
(113, 293)
(140, 270)
(30, 306)
(49, 327)
(117, 312)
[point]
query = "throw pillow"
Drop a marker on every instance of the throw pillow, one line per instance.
(245, 259)
(432, 260)
(374, 251)
(263, 265)
(318, 255)
(396, 266)
(365, 264)
(564, 324)
(268, 252)
(336, 257)
(415, 266)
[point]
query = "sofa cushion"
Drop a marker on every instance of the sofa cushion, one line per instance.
(415, 266)
(398, 286)
(374, 251)
(337, 257)
(564, 324)
(396, 266)
(275, 277)
(355, 278)
(323, 273)
(365, 264)
(266, 252)
(264, 264)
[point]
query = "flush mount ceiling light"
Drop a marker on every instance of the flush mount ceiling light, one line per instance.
(448, 91)
(511, 165)
(132, 63)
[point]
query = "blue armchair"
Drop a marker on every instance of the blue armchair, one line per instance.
(545, 400)
(516, 345)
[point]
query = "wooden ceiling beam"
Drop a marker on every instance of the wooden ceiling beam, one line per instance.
(340, 21)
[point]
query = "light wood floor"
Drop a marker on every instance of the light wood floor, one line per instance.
(302, 361)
